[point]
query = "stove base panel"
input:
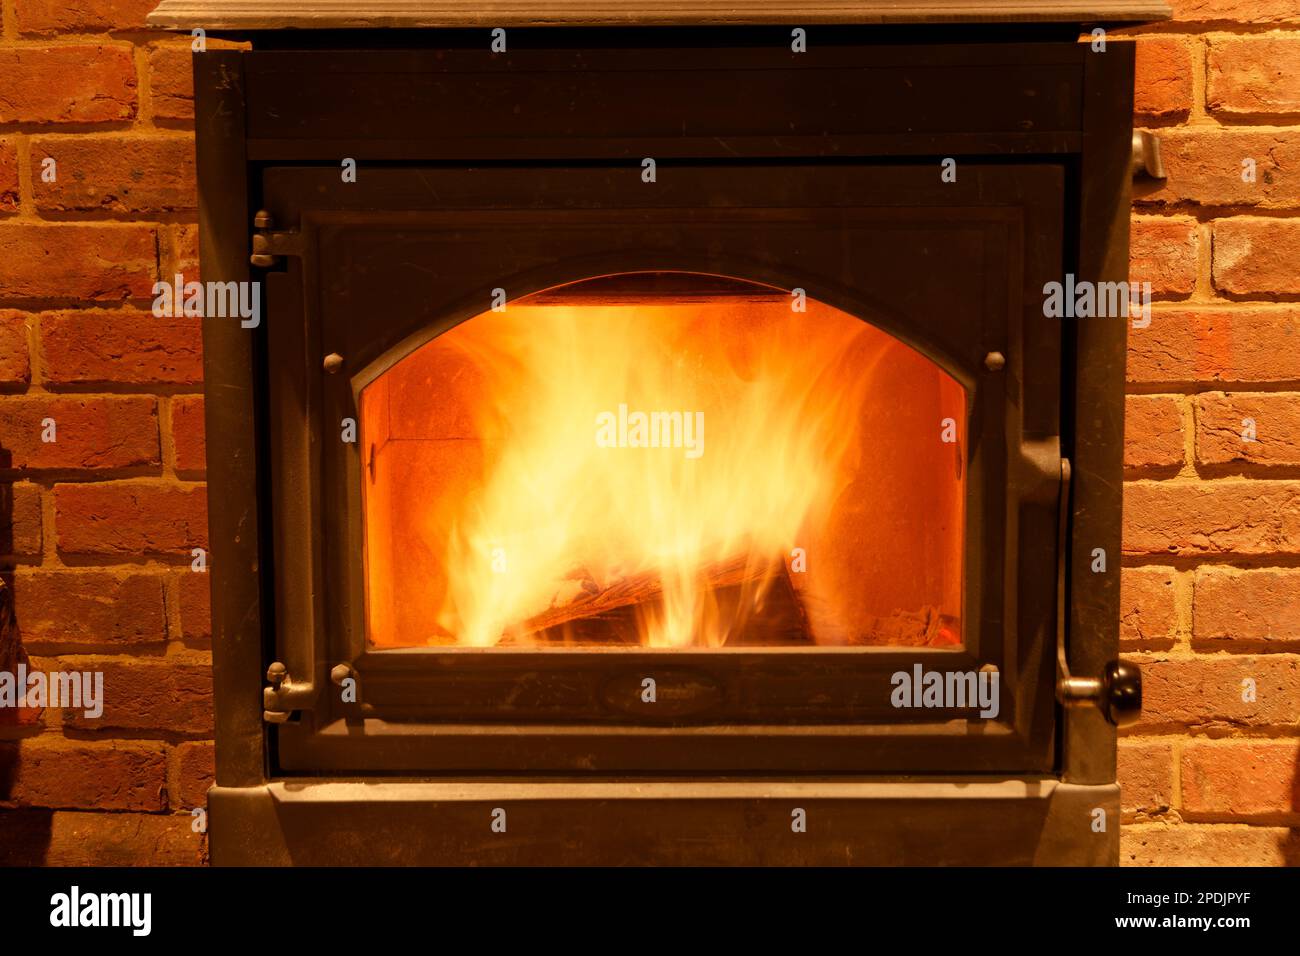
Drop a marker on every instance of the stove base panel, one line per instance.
(746, 823)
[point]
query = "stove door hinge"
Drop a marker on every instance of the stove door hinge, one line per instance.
(1146, 157)
(270, 244)
(285, 695)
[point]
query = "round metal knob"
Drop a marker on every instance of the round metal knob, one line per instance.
(276, 674)
(333, 362)
(1121, 692)
(1117, 693)
(339, 673)
(995, 361)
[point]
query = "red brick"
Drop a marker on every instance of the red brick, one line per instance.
(188, 433)
(1236, 11)
(83, 261)
(1153, 431)
(37, 838)
(1205, 168)
(196, 605)
(1241, 777)
(103, 431)
(1257, 76)
(89, 608)
(1160, 844)
(1219, 428)
(116, 173)
(171, 78)
(1163, 78)
(1234, 344)
(15, 364)
(1163, 251)
(153, 694)
(1234, 516)
(1252, 605)
(130, 518)
(58, 773)
(8, 176)
(1147, 612)
(1146, 775)
(74, 83)
(93, 347)
(1257, 255)
(187, 252)
(1206, 690)
(43, 17)
(196, 770)
(20, 529)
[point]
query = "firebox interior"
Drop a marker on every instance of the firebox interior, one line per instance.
(663, 460)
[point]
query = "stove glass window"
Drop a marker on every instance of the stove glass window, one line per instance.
(663, 460)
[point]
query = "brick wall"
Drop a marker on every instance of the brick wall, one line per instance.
(96, 529)
(1211, 578)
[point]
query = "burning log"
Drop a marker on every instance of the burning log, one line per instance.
(779, 619)
(647, 587)
(755, 601)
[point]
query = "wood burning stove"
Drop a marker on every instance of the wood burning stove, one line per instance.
(654, 447)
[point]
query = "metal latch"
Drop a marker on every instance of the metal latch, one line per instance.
(1117, 693)
(269, 245)
(1146, 155)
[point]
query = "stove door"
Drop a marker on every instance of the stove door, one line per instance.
(730, 469)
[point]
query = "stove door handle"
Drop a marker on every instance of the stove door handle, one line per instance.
(1117, 693)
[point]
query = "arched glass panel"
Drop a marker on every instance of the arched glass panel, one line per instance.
(663, 460)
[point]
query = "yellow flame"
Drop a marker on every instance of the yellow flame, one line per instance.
(556, 510)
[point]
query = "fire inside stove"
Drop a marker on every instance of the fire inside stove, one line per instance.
(668, 461)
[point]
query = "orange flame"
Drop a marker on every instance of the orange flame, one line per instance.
(513, 477)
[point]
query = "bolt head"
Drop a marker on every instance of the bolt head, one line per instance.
(333, 362)
(995, 361)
